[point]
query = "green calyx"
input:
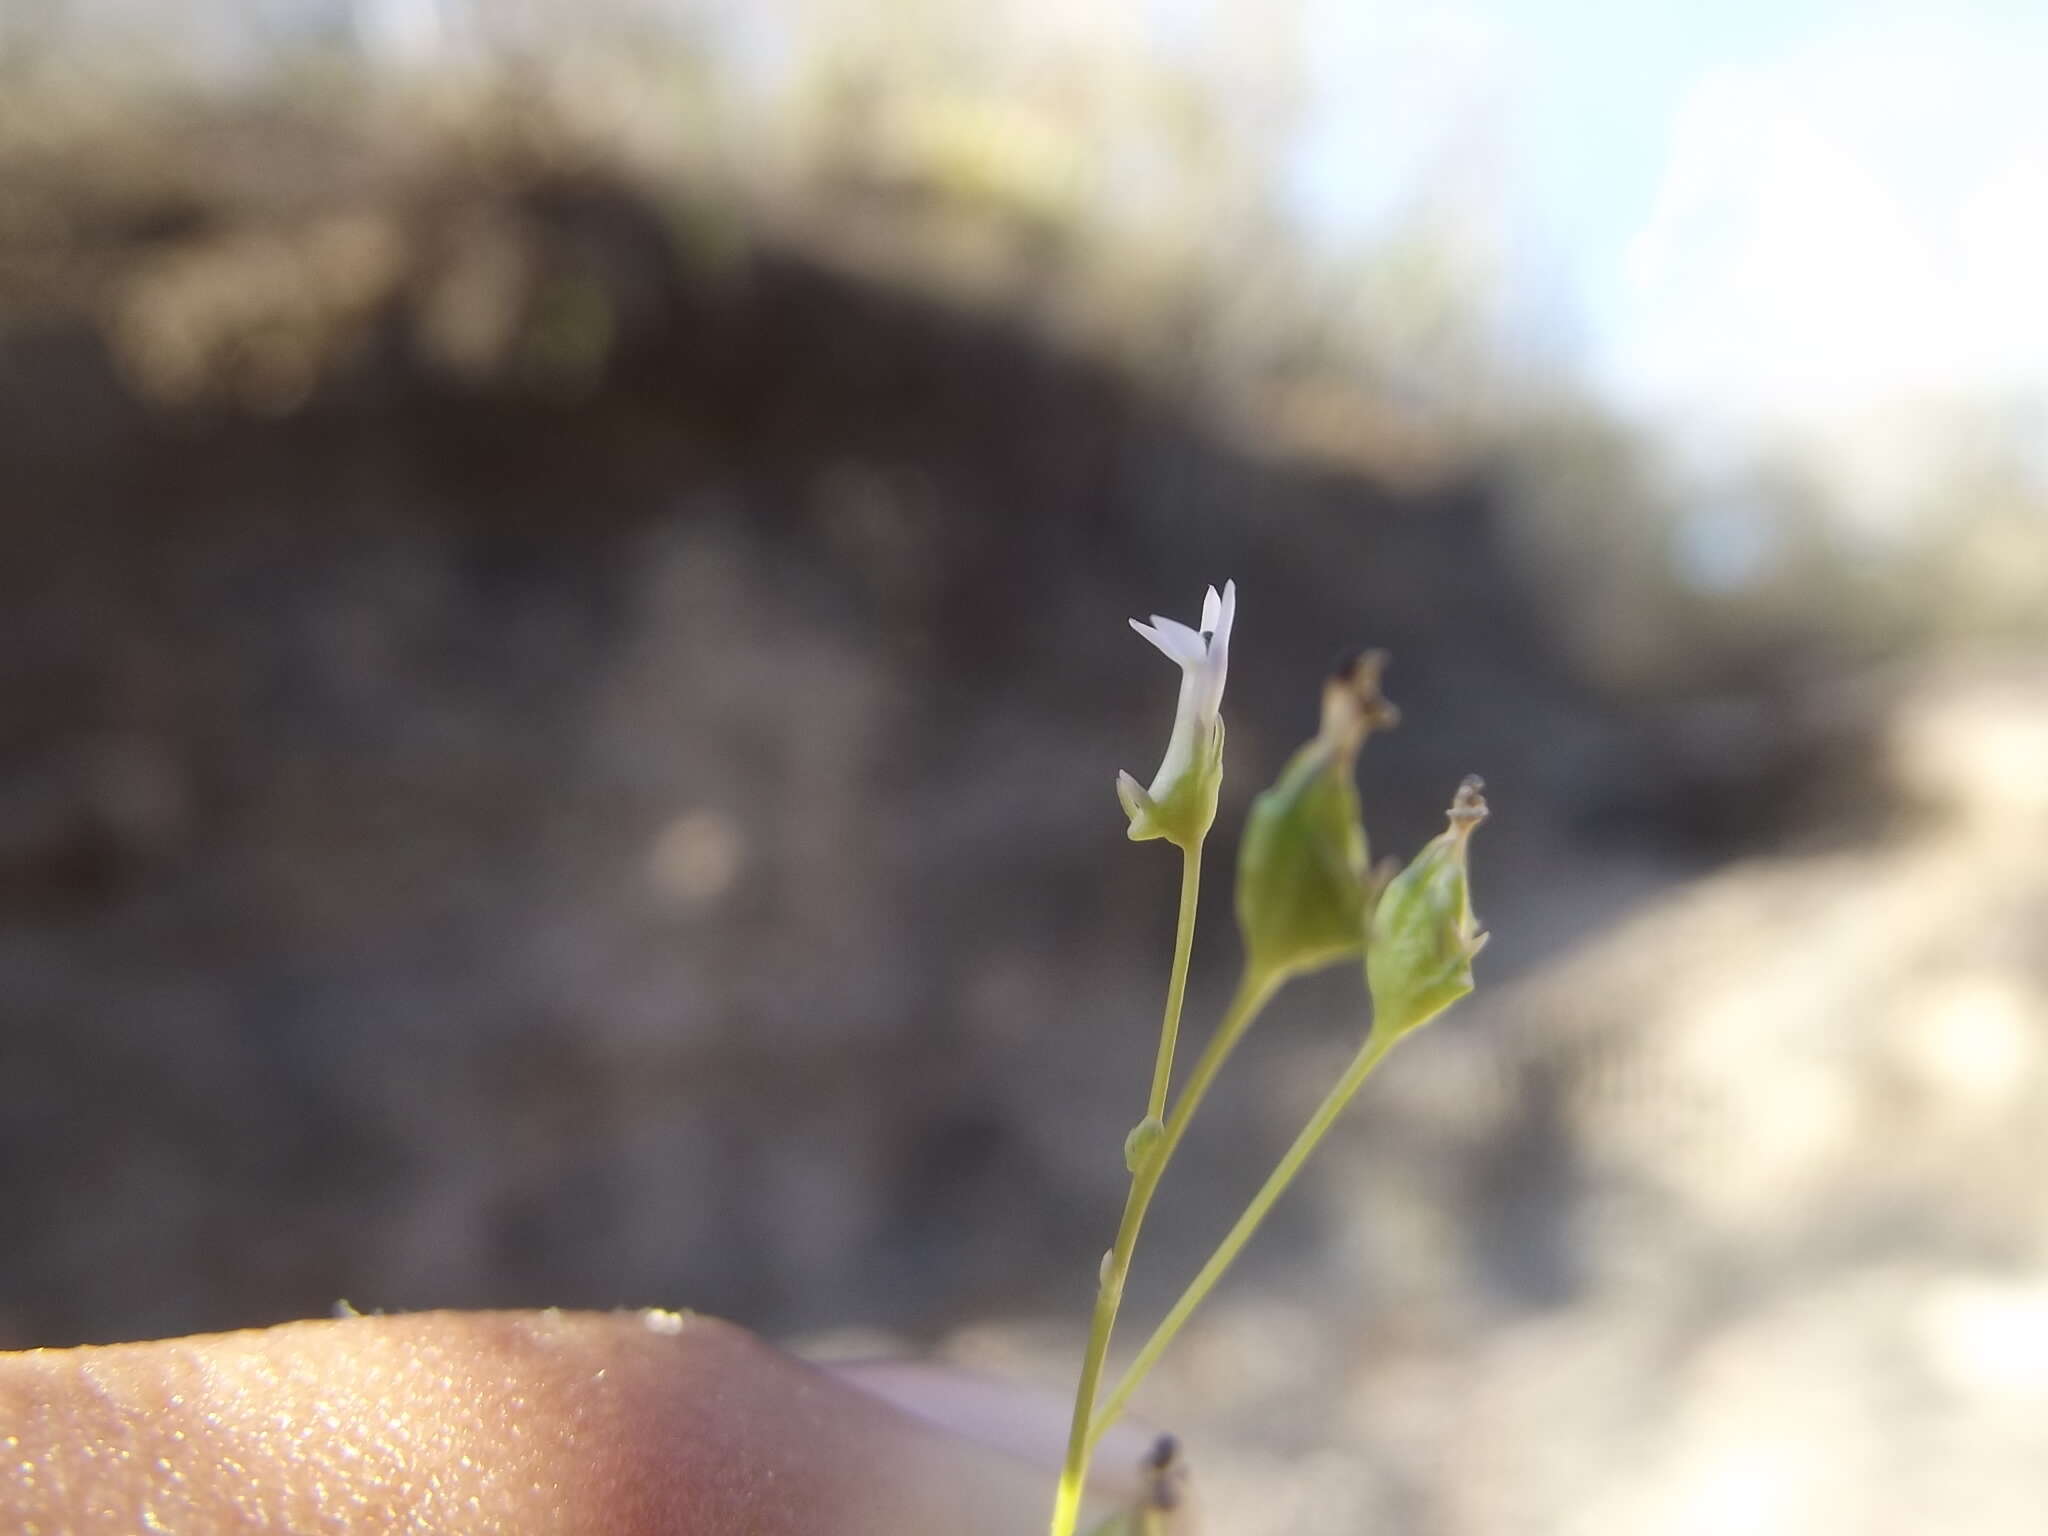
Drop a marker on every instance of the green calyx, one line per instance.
(1303, 885)
(1185, 809)
(1419, 959)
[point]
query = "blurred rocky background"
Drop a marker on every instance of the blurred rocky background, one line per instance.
(562, 579)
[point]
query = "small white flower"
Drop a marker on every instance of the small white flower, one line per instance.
(1194, 746)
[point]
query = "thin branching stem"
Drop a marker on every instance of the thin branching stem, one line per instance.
(1177, 983)
(1252, 995)
(1370, 1055)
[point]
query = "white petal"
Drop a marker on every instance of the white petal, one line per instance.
(1169, 645)
(1175, 639)
(1212, 608)
(1208, 698)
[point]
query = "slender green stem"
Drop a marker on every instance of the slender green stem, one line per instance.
(1252, 995)
(1177, 983)
(1369, 1056)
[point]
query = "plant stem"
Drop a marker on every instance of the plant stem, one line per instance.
(1252, 994)
(1177, 983)
(1369, 1056)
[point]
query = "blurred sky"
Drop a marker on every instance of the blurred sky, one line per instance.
(1747, 211)
(1751, 209)
(1748, 217)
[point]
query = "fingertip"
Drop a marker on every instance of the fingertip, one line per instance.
(602, 1422)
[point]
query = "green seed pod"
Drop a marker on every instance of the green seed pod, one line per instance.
(1303, 885)
(1419, 959)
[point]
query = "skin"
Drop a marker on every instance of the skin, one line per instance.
(619, 1423)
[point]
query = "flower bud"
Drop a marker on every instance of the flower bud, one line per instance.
(1419, 959)
(1302, 880)
(1143, 1140)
